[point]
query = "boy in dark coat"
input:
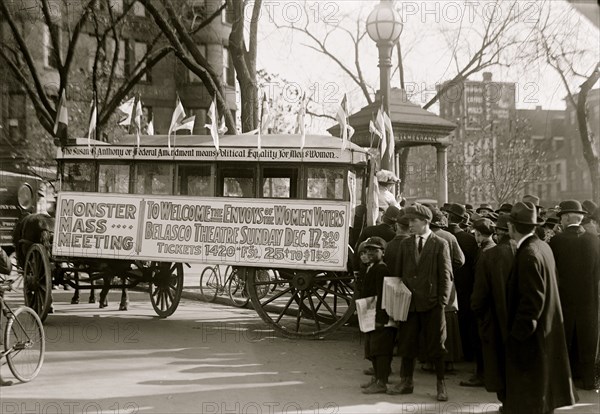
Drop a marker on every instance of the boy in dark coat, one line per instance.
(488, 302)
(379, 344)
(538, 376)
(578, 272)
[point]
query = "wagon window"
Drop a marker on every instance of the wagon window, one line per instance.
(279, 182)
(113, 178)
(78, 177)
(154, 179)
(325, 182)
(238, 182)
(196, 180)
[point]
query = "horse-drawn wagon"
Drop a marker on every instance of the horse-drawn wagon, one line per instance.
(283, 208)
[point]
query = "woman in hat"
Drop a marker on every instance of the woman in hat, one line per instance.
(387, 180)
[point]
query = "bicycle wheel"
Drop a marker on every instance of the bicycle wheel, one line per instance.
(24, 343)
(236, 287)
(263, 275)
(209, 284)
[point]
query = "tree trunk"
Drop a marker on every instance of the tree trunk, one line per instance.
(589, 142)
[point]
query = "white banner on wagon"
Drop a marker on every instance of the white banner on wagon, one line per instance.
(235, 231)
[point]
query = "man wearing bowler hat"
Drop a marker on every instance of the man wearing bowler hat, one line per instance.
(489, 304)
(538, 377)
(578, 271)
(425, 268)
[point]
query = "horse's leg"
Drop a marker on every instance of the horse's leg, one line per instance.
(75, 298)
(92, 298)
(124, 296)
(106, 280)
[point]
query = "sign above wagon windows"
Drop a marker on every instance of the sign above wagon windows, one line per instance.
(236, 231)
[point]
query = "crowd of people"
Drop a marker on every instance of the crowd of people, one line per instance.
(514, 289)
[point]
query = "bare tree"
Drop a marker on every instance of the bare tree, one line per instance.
(95, 18)
(487, 43)
(560, 43)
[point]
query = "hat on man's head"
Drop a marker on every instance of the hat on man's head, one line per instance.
(551, 221)
(469, 206)
(589, 206)
(484, 206)
(524, 213)
(391, 213)
(570, 206)
(375, 242)
(438, 219)
(535, 200)
(386, 177)
(484, 226)
(418, 211)
(458, 210)
(502, 223)
(402, 219)
(445, 206)
(505, 208)
(492, 216)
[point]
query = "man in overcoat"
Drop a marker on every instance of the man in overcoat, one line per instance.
(489, 304)
(576, 252)
(538, 376)
(464, 277)
(425, 268)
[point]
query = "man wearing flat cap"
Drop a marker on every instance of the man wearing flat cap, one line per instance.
(578, 271)
(425, 268)
(488, 302)
(538, 377)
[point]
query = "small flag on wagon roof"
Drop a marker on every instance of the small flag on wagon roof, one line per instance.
(178, 116)
(213, 126)
(342, 117)
(62, 118)
(187, 124)
(265, 118)
(93, 121)
(301, 121)
(138, 120)
(150, 127)
(127, 109)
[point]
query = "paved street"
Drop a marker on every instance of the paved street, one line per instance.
(212, 358)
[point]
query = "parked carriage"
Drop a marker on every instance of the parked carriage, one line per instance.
(142, 213)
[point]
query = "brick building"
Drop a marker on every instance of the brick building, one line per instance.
(19, 128)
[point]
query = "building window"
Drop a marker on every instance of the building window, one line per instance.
(228, 70)
(121, 66)
(227, 14)
(50, 60)
(140, 51)
(558, 169)
(192, 77)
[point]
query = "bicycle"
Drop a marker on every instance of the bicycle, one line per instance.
(24, 340)
(211, 284)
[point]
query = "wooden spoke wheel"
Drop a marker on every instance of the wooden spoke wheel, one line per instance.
(166, 287)
(303, 303)
(37, 280)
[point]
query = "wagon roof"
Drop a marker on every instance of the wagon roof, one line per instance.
(232, 141)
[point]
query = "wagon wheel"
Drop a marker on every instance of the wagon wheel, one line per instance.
(37, 280)
(304, 303)
(166, 287)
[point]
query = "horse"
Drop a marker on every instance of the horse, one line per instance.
(38, 228)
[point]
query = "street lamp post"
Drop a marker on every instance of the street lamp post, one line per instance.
(384, 26)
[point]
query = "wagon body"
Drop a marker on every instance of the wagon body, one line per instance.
(284, 208)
